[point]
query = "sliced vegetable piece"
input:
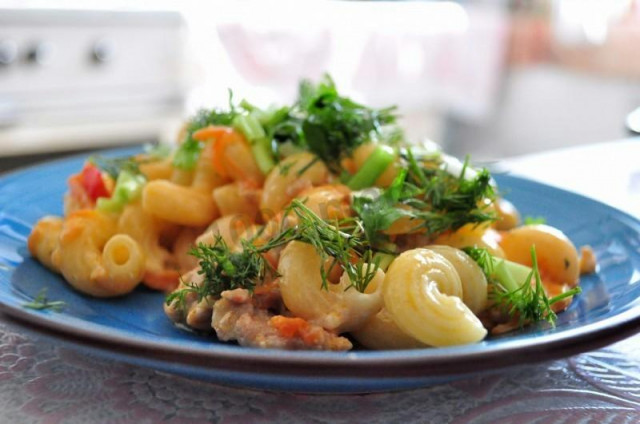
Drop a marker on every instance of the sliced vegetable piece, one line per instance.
(93, 183)
(373, 167)
(250, 126)
(128, 188)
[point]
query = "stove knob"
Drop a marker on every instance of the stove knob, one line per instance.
(41, 53)
(103, 51)
(8, 52)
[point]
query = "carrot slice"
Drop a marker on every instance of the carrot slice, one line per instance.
(224, 138)
(289, 327)
(211, 132)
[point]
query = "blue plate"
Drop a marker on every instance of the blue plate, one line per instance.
(134, 328)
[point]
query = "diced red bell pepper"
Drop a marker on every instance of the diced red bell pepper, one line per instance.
(93, 183)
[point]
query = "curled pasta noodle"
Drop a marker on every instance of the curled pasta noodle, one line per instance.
(186, 198)
(557, 257)
(381, 332)
(474, 282)
(81, 260)
(422, 292)
(294, 174)
(335, 308)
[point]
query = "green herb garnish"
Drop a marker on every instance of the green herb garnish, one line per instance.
(41, 302)
(226, 269)
(343, 241)
(127, 189)
(514, 293)
(188, 152)
(375, 165)
(534, 220)
(334, 125)
(427, 194)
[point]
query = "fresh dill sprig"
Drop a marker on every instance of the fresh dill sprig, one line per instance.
(528, 302)
(347, 247)
(222, 269)
(41, 302)
(428, 195)
(483, 258)
(378, 210)
(225, 269)
(447, 202)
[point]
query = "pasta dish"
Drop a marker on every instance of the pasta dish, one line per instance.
(316, 225)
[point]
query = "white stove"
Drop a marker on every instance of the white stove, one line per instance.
(82, 79)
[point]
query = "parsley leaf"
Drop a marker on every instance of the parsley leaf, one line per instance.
(379, 210)
(334, 125)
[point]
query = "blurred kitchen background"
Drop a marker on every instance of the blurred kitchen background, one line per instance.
(493, 79)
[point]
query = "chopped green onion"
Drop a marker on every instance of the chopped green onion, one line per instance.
(128, 188)
(250, 126)
(373, 167)
(384, 260)
(534, 220)
(510, 274)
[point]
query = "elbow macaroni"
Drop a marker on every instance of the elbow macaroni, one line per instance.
(81, 257)
(334, 309)
(294, 174)
(43, 240)
(178, 204)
